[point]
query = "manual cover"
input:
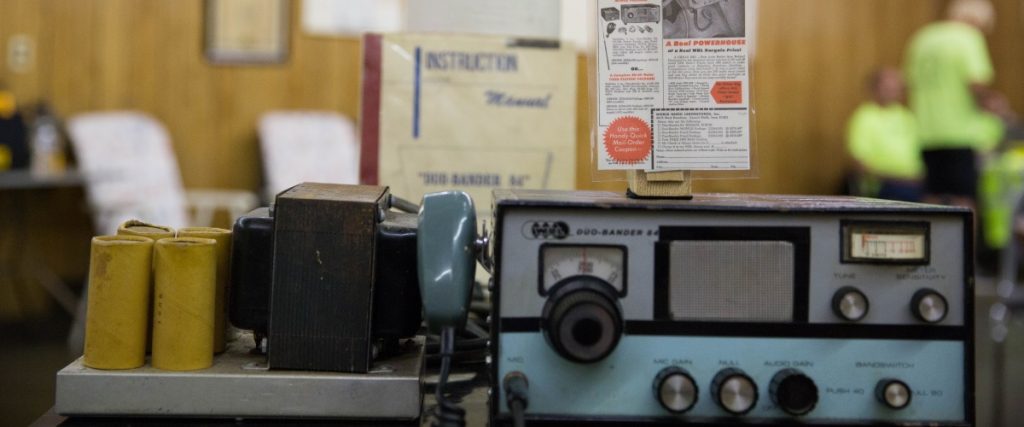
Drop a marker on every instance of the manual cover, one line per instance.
(473, 113)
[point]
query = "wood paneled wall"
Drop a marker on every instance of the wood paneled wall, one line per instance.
(812, 57)
(148, 55)
(812, 60)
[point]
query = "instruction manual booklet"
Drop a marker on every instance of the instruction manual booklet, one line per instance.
(673, 85)
(473, 113)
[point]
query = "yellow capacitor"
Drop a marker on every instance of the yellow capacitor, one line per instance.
(223, 250)
(183, 305)
(118, 308)
(134, 227)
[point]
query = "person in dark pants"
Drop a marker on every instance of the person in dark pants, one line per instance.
(948, 70)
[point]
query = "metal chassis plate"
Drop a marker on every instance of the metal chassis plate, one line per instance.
(238, 385)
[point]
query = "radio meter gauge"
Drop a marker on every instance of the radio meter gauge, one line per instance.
(885, 243)
(559, 262)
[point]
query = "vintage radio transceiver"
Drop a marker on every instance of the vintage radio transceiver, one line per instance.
(720, 310)
(731, 309)
(641, 13)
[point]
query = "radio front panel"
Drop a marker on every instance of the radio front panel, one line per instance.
(846, 372)
(889, 287)
(815, 316)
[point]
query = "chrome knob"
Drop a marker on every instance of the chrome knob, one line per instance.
(849, 303)
(929, 306)
(734, 391)
(893, 393)
(675, 389)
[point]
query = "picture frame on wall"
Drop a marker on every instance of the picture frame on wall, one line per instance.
(240, 32)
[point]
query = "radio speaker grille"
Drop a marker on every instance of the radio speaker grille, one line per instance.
(723, 280)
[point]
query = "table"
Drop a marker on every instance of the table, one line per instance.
(26, 180)
(16, 255)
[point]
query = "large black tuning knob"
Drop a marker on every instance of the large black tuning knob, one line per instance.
(582, 320)
(793, 392)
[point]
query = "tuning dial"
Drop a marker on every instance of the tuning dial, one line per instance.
(675, 390)
(849, 303)
(793, 392)
(734, 391)
(893, 393)
(582, 320)
(928, 305)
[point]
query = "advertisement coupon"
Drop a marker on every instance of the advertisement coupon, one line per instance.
(673, 85)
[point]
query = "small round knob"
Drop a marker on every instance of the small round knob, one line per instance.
(734, 391)
(582, 320)
(929, 306)
(675, 389)
(849, 303)
(793, 392)
(893, 393)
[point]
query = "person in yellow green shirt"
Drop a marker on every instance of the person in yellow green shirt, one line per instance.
(882, 137)
(1002, 178)
(948, 71)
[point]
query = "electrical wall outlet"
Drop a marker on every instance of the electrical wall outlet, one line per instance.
(21, 53)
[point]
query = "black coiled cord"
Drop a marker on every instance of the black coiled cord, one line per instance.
(448, 413)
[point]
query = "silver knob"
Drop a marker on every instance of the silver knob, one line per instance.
(893, 393)
(675, 389)
(929, 306)
(734, 391)
(849, 303)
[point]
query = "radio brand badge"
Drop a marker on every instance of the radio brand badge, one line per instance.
(545, 230)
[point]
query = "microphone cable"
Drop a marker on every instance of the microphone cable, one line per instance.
(448, 414)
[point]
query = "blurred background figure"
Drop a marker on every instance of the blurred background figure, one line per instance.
(13, 133)
(1001, 185)
(949, 71)
(882, 137)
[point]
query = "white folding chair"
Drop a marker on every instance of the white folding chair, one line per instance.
(131, 173)
(307, 146)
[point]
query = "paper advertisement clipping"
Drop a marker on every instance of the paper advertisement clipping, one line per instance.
(673, 85)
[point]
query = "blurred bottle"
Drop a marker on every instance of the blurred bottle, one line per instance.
(48, 156)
